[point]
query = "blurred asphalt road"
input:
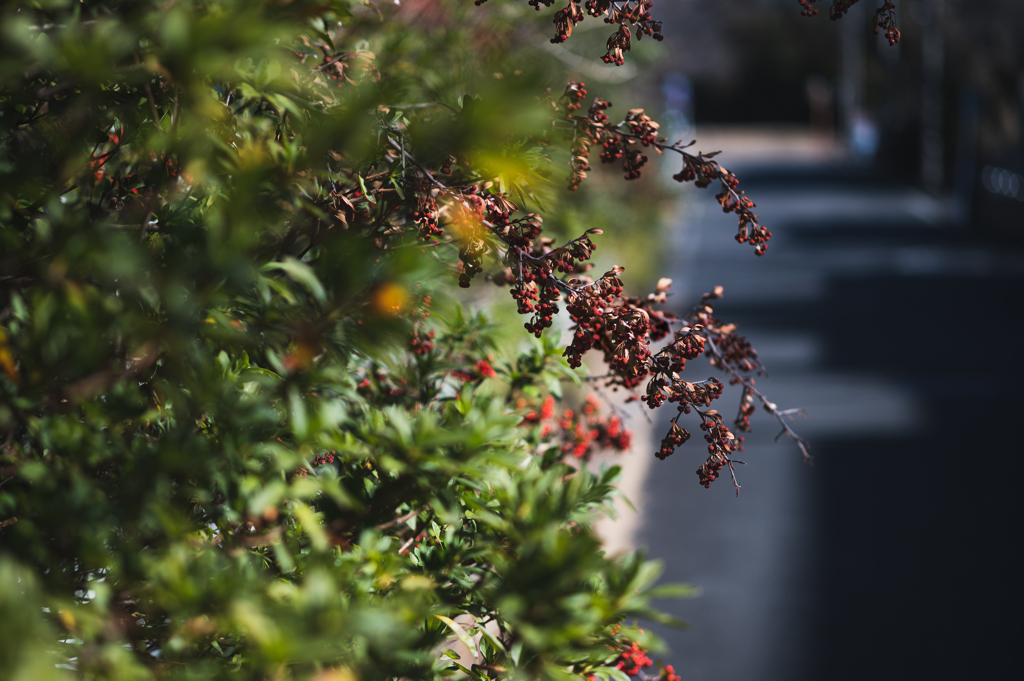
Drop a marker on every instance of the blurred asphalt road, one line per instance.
(893, 556)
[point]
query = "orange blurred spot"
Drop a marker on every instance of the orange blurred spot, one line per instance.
(7, 361)
(301, 357)
(390, 299)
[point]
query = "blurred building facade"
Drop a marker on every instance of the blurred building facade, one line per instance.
(943, 110)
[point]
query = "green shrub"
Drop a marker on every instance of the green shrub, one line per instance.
(248, 430)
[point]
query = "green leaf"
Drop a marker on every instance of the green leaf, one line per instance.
(609, 674)
(398, 188)
(312, 526)
(301, 273)
(492, 640)
(674, 591)
(554, 386)
(460, 634)
(366, 192)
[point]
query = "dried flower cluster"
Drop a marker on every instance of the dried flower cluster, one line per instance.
(480, 220)
(633, 18)
(421, 343)
(701, 333)
(348, 67)
(626, 141)
(884, 18)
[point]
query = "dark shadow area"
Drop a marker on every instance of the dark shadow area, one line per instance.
(917, 568)
(912, 568)
(811, 175)
(893, 292)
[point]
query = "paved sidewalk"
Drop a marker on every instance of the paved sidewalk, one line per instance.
(852, 309)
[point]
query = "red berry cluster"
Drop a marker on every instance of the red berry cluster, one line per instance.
(572, 98)
(674, 438)
(721, 443)
(565, 20)
(641, 127)
(615, 140)
(702, 332)
(808, 8)
(546, 412)
(484, 369)
(349, 67)
(631, 344)
(699, 392)
(535, 264)
(747, 409)
(318, 460)
(582, 432)
(425, 216)
(687, 395)
(602, 432)
(618, 43)
(474, 216)
(626, 15)
(587, 311)
(544, 307)
(325, 458)
(737, 351)
(688, 344)
(702, 171)
(633, 660)
(380, 385)
(621, 327)
(463, 375)
(480, 370)
(617, 144)
(421, 343)
(632, 16)
(883, 19)
(481, 220)
(668, 673)
(840, 7)
(612, 150)
(596, 113)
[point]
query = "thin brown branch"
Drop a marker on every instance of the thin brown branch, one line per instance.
(419, 165)
(769, 406)
(402, 518)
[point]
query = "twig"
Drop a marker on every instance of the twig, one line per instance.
(421, 105)
(402, 518)
(149, 94)
(769, 406)
(616, 409)
(408, 543)
(700, 158)
(422, 169)
(732, 472)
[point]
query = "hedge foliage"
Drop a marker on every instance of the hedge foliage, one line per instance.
(222, 457)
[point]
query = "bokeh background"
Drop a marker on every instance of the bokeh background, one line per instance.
(889, 306)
